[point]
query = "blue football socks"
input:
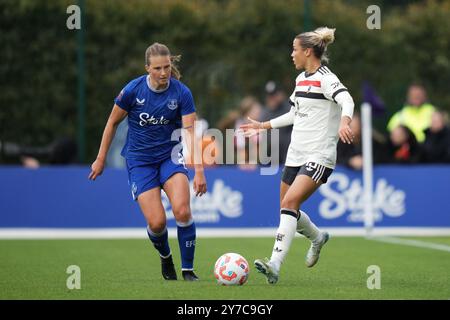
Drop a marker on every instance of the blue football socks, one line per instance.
(186, 240)
(160, 241)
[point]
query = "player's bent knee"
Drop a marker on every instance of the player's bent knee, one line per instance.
(290, 203)
(182, 213)
(157, 226)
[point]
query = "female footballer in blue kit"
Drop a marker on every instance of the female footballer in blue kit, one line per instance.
(157, 104)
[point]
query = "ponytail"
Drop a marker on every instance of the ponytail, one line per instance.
(318, 40)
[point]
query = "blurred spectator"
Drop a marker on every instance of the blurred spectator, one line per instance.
(277, 104)
(209, 149)
(436, 148)
(403, 146)
(29, 162)
(416, 114)
(62, 151)
(248, 107)
(350, 155)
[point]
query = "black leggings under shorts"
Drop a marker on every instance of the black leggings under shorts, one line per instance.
(316, 171)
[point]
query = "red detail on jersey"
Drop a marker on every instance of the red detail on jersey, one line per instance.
(225, 276)
(309, 83)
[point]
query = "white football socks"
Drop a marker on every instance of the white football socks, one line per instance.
(285, 234)
(306, 227)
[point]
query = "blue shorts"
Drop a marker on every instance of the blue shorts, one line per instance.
(143, 176)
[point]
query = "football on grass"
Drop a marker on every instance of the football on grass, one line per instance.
(231, 269)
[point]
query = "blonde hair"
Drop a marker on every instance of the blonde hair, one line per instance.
(159, 49)
(318, 40)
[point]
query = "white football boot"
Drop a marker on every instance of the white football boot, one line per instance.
(312, 256)
(265, 267)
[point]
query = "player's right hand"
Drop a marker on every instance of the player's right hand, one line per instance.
(96, 169)
(251, 128)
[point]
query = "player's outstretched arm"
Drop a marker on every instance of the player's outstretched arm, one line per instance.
(254, 126)
(116, 116)
(199, 178)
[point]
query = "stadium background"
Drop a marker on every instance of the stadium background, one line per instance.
(57, 82)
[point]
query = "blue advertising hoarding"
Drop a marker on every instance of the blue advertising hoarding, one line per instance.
(63, 197)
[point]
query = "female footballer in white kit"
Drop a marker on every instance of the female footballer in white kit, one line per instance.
(321, 112)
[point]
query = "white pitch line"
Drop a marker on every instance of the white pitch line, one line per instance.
(413, 243)
(140, 233)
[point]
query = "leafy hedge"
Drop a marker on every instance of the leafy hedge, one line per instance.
(229, 48)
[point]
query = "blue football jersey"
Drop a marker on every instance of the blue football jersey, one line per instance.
(152, 117)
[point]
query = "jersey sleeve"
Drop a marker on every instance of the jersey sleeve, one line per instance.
(125, 98)
(332, 86)
(187, 102)
(284, 120)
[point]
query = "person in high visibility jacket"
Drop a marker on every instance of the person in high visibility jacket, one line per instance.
(416, 114)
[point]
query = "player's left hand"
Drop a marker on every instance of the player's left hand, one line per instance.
(345, 132)
(96, 169)
(199, 183)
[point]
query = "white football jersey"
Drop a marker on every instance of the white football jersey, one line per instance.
(317, 118)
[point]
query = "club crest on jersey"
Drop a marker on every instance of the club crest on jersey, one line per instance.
(172, 104)
(140, 102)
(309, 89)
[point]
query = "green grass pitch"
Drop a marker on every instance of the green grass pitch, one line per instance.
(130, 269)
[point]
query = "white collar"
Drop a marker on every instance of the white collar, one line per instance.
(155, 90)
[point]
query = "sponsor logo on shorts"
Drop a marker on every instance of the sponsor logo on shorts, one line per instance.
(310, 166)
